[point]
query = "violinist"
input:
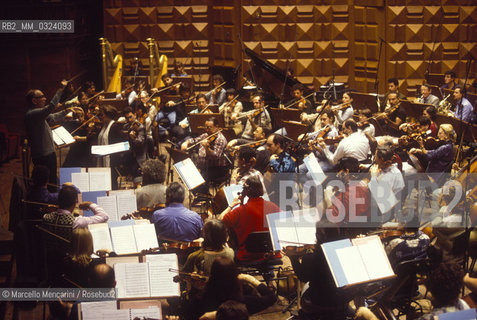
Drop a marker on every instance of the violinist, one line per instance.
(211, 160)
(145, 120)
(167, 80)
(201, 104)
(393, 116)
(280, 160)
(364, 125)
(179, 69)
(440, 159)
(217, 96)
(166, 118)
(247, 159)
(420, 129)
(152, 190)
(136, 135)
(79, 152)
(260, 117)
(128, 92)
(89, 88)
(175, 222)
(259, 144)
(393, 87)
(431, 113)
(299, 101)
(347, 112)
(231, 109)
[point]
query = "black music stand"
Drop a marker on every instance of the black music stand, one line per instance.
(284, 114)
(294, 129)
(175, 155)
(198, 119)
(364, 100)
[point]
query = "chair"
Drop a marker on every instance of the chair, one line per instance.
(401, 295)
(260, 242)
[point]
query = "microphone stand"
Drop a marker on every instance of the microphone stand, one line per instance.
(242, 46)
(376, 79)
(333, 74)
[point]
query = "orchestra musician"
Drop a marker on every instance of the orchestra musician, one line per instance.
(280, 160)
(464, 109)
(79, 153)
(299, 102)
(247, 158)
(152, 190)
(449, 80)
(393, 115)
(427, 97)
(175, 222)
(89, 88)
(201, 108)
(259, 118)
(364, 125)
(393, 87)
(218, 95)
(211, 158)
(347, 113)
(231, 109)
(39, 135)
(431, 113)
(178, 69)
(128, 93)
(259, 143)
(136, 134)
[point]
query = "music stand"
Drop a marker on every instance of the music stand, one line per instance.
(294, 129)
(187, 80)
(364, 100)
(435, 90)
(198, 119)
(175, 155)
(413, 109)
(284, 114)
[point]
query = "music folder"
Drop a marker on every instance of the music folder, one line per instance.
(189, 173)
(357, 261)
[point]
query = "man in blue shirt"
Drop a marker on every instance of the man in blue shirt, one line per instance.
(464, 110)
(176, 222)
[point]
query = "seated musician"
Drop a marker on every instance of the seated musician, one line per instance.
(145, 120)
(201, 108)
(179, 106)
(393, 116)
(231, 109)
(136, 134)
(216, 96)
(321, 300)
(178, 69)
(214, 245)
(427, 97)
(167, 80)
(260, 145)
(364, 124)
(90, 88)
(422, 128)
(355, 199)
(441, 158)
(393, 87)
(299, 102)
(464, 109)
(175, 222)
(152, 191)
(128, 93)
(280, 160)
(38, 192)
(260, 118)
(211, 159)
(412, 244)
(347, 112)
(431, 113)
(248, 217)
(449, 80)
(247, 158)
(225, 283)
(354, 145)
(166, 118)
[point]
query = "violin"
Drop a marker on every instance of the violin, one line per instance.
(189, 276)
(177, 245)
(431, 143)
(143, 213)
(211, 138)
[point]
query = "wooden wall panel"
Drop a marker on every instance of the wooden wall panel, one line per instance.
(318, 38)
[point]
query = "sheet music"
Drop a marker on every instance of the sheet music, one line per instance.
(306, 230)
(126, 203)
(146, 237)
(374, 257)
(111, 261)
(57, 139)
(314, 168)
(189, 173)
(161, 281)
(102, 310)
(99, 180)
(151, 312)
(101, 237)
(109, 205)
(62, 135)
(286, 232)
(80, 180)
(110, 148)
(385, 198)
(353, 267)
(116, 192)
(123, 240)
(132, 280)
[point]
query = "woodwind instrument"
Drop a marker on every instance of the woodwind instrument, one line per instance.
(444, 105)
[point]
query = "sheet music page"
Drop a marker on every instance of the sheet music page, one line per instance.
(99, 180)
(80, 180)
(101, 238)
(64, 135)
(116, 192)
(374, 257)
(314, 168)
(353, 267)
(385, 198)
(58, 141)
(102, 310)
(151, 312)
(111, 261)
(162, 284)
(189, 173)
(132, 280)
(146, 237)
(109, 205)
(123, 240)
(110, 148)
(286, 232)
(126, 203)
(142, 221)
(306, 230)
